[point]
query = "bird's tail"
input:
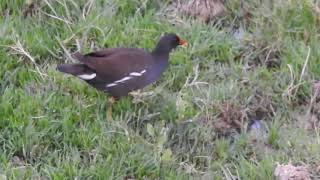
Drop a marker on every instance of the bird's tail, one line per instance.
(77, 55)
(74, 69)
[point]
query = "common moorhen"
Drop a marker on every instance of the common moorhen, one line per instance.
(119, 71)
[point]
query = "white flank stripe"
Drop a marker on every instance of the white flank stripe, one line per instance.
(123, 79)
(112, 84)
(132, 75)
(135, 74)
(87, 76)
(142, 72)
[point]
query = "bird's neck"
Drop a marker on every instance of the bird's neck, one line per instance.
(161, 57)
(161, 51)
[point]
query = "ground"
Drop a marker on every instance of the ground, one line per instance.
(241, 99)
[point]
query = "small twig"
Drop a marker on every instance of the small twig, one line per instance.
(227, 173)
(87, 8)
(52, 9)
(56, 17)
(150, 116)
(305, 64)
(66, 9)
(303, 70)
(290, 87)
(194, 81)
(291, 74)
(64, 48)
(18, 48)
(78, 44)
(52, 53)
(313, 99)
(74, 4)
(38, 117)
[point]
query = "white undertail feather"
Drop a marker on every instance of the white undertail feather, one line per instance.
(87, 76)
(143, 71)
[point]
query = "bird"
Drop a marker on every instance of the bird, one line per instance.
(119, 71)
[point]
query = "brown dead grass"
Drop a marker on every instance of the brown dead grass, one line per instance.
(31, 8)
(308, 120)
(261, 106)
(308, 115)
(316, 91)
(230, 119)
(205, 10)
(290, 172)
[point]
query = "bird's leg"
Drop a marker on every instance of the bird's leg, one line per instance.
(111, 101)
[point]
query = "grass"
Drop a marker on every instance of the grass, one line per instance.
(54, 126)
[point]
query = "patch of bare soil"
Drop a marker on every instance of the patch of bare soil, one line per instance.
(261, 106)
(230, 119)
(31, 8)
(307, 116)
(316, 91)
(205, 10)
(290, 172)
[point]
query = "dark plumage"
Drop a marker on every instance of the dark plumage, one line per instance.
(119, 71)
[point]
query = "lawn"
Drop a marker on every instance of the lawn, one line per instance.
(241, 98)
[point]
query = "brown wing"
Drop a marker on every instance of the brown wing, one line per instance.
(115, 63)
